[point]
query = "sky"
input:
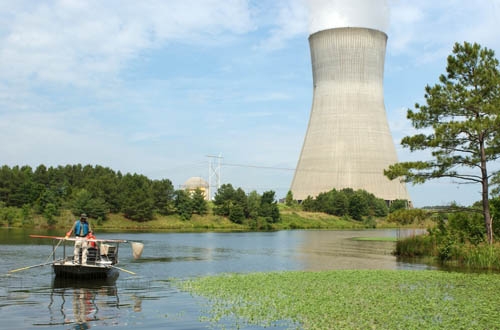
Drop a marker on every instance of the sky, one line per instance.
(154, 87)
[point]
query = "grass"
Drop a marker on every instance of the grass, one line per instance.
(171, 223)
(353, 299)
(416, 246)
(483, 256)
(291, 219)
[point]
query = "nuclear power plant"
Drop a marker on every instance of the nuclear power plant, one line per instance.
(348, 143)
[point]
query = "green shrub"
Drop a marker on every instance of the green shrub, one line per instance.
(369, 222)
(408, 217)
(398, 204)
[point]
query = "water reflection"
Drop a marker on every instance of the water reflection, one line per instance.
(323, 251)
(80, 303)
(343, 250)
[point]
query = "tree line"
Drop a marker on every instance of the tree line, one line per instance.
(348, 202)
(98, 191)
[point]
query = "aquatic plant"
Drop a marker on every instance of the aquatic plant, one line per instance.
(353, 299)
(416, 246)
(482, 256)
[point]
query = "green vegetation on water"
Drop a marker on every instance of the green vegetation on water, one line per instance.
(352, 299)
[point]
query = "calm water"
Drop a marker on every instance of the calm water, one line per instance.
(33, 299)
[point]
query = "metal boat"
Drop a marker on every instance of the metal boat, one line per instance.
(101, 259)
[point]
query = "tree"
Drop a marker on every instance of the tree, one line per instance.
(223, 200)
(46, 197)
(358, 205)
(461, 122)
(49, 212)
(103, 183)
(253, 204)
(340, 203)
(136, 197)
(163, 194)
(240, 199)
(237, 214)
(289, 201)
(324, 202)
(26, 214)
(84, 202)
(8, 214)
(269, 208)
(309, 204)
(183, 204)
(199, 203)
(398, 204)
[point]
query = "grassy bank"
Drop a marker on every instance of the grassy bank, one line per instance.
(290, 219)
(352, 299)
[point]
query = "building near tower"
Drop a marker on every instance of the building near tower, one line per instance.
(194, 183)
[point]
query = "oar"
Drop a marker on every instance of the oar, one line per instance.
(24, 268)
(124, 270)
(73, 239)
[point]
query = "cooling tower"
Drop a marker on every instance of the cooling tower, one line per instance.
(348, 143)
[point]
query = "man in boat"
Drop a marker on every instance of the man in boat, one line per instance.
(81, 227)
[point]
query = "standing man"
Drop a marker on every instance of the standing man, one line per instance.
(82, 229)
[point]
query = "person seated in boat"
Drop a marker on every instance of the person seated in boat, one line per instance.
(92, 249)
(81, 227)
(90, 236)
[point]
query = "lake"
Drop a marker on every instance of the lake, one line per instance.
(34, 299)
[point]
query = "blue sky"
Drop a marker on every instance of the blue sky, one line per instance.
(153, 87)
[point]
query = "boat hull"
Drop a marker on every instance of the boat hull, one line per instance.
(77, 271)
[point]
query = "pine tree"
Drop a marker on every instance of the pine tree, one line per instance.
(462, 115)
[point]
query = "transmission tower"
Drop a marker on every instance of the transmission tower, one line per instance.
(214, 165)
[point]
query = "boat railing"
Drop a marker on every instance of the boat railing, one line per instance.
(102, 252)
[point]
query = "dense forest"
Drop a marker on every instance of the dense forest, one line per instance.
(98, 191)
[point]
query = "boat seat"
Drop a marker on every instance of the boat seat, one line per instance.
(91, 255)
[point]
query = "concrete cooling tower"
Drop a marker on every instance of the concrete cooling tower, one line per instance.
(348, 143)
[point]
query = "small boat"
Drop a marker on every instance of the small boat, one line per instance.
(101, 259)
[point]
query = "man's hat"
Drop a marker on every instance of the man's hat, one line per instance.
(83, 216)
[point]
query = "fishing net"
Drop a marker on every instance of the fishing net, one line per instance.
(137, 249)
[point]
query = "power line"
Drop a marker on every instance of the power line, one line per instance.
(258, 166)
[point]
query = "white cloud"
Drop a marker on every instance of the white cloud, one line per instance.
(327, 14)
(426, 30)
(79, 43)
(291, 21)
